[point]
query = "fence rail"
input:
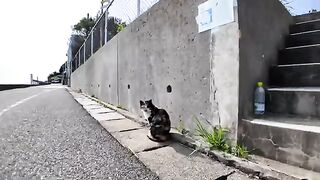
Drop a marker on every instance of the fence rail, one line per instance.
(125, 10)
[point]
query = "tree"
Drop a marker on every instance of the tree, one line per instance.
(62, 68)
(81, 31)
(84, 27)
(76, 42)
(115, 26)
(54, 75)
(313, 11)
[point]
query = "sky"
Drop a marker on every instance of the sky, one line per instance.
(34, 36)
(35, 33)
(304, 6)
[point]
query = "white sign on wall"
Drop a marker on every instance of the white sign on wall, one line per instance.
(214, 13)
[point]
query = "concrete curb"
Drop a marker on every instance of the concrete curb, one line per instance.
(245, 166)
(125, 113)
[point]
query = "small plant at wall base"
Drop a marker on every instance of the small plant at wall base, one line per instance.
(181, 128)
(122, 107)
(217, 139)
(240, 151)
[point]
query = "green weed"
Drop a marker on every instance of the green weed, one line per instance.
(218, 139)
(240, 151)
(181, 128)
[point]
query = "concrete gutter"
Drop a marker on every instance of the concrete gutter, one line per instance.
(132, 134)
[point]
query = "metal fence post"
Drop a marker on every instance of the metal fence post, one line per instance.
(70, 67)
(138, 8)
(92, 41)
(84, 51)
(106, 27)
(79, 57)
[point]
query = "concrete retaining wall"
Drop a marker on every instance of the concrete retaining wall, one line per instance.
(98, 76)
(166, 50)
(163, 50)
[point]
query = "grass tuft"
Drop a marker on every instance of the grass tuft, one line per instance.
(218, 139)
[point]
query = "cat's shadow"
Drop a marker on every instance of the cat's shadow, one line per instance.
(180, 148)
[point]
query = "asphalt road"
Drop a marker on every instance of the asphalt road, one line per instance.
(45, 134)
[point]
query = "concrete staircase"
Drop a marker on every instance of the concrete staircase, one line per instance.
(290, 130)
(297, 77)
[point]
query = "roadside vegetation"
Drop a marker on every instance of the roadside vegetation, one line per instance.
(217, 139)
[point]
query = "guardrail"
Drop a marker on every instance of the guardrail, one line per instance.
(16, 86)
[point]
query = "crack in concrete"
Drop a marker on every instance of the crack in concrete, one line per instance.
(132, 129)
(217, 102)
(154, 148)
(105, 112)
(213, 88)
(225, 177)
(117, 119)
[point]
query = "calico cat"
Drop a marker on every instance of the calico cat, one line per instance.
(158, 119)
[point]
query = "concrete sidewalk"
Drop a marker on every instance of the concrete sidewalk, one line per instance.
(169, 160)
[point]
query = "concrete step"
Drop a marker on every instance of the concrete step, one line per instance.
(295, 75)
(300, 54)
(305, 26)
(303, 38)
(290, 140)
(303, 101)
(307, 17)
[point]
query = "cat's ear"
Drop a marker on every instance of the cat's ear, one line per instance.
(142, 103)
(150, 101)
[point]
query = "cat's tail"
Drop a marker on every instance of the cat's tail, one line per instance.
(160, 138)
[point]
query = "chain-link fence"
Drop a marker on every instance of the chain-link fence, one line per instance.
(118, 11)
(129, 10)
(93, 42)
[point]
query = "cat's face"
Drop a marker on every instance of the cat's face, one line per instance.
(145, 108)
(146, 105)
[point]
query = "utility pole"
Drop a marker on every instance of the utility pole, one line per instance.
(105, 18)
(106, 25)
(31, 78)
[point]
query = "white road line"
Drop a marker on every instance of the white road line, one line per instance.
(23, 100)
(16, 104)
